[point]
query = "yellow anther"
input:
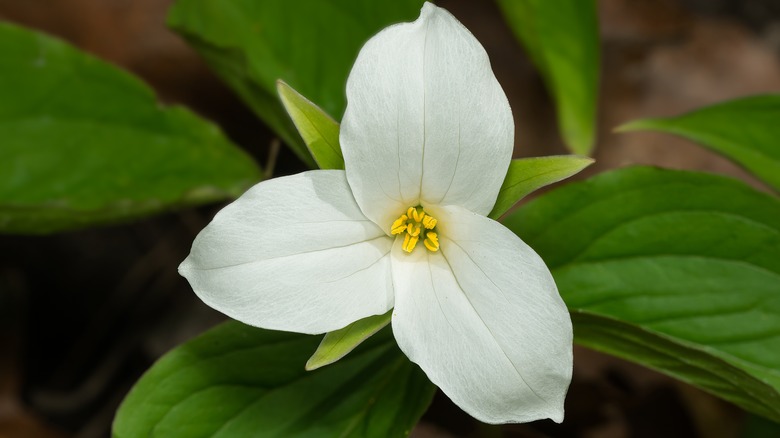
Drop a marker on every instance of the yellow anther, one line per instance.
(399, 226)
(416, 225)
(431, 241)
(410, 242)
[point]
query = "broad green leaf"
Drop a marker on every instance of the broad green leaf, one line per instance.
(86, 143)
(318, 130)
(678, 271)
(309, 44)
(338, 344)
(526, 175)
(236, 381)
(746, 131)
(690, 364)
(265, 105)
(561, 38)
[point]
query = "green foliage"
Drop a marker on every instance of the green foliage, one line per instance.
(318, 130)
(237, 380)
(310, 46)
(561, 38)
(84, 143)
(746, 131)
(678, 271)
(339, 343)
(526, 175)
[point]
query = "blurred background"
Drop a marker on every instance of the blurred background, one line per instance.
(83, 314)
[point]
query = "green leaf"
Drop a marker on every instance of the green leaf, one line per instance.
(675, 270)
(318, 130)
(746, 131)
(86, 143)
(339, 343)
(561, 38)
(236, 381)
(526, 175)
(309, 44)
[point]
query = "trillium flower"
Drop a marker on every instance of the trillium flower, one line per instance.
(427, 138)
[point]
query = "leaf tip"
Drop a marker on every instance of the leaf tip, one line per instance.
(315, 362)
(584, 160)
(634, 125)
(283, 90)
(579, 146)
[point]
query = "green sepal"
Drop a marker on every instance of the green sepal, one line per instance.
(318, 130)
(526, 175)
(339, 343)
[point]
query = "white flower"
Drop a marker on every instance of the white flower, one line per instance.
(427, 134)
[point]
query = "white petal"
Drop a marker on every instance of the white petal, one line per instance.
(426, 120)
(293, 254)
(483, 318)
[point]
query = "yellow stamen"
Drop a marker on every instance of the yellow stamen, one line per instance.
(416, 225)
(431, 241)
(410, 242)
(399, 226)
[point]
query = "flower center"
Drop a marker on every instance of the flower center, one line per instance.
(416, 225)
